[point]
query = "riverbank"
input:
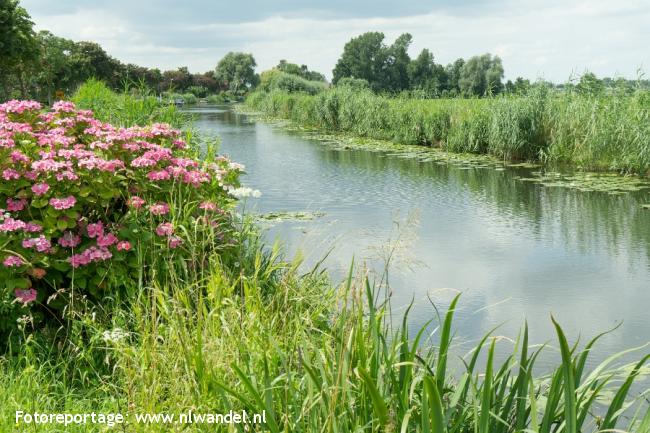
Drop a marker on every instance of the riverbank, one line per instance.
(609, 133)
(248, 330)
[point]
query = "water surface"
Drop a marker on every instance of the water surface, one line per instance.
(516, 250)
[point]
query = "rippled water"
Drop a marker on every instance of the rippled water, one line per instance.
(515, 249)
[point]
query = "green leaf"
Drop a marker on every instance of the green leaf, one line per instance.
(570, 413)
(436, 411)
(378, 402)
(62, 224)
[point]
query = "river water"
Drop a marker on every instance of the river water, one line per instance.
(516, 250)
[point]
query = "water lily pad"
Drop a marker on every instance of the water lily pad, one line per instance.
(290, 216)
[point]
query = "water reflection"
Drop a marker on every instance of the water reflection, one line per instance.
(515, 249)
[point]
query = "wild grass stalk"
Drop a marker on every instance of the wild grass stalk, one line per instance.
(605, 132)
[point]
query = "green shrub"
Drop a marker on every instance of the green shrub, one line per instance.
(91, 208)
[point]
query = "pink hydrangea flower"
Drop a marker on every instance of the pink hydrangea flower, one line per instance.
(33, 228)
(40, 188)
(136, 202)
(174, 242)
(95, 230)
(106, 241)
(164, 229)
(158, 175)
(16, 205)
(41, 243)
(63, 203)
(90, 255)
(160, 208)
(69, 240)
(123, 246)
(10, 174)
(12, 261)
(26, 296)
(12, 225)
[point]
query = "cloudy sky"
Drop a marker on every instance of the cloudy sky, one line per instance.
(551, 39)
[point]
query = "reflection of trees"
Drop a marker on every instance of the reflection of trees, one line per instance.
(584, 220)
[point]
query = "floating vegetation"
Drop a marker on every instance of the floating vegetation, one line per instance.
(587, 181)
(289, 216)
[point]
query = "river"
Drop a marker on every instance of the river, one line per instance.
(516, 250)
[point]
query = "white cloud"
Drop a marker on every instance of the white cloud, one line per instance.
(534, 38)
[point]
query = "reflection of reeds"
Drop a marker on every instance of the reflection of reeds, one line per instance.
(610, 132)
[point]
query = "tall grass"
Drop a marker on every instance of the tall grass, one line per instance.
(314, 358)
(136, 106)
(604, 132)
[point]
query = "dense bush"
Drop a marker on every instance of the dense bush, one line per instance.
(278, 80)
(354, 83)
(89, 207)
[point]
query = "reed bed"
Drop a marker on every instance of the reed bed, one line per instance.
(595, 132)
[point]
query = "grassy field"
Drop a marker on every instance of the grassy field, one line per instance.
(607, 132)
(252, 332)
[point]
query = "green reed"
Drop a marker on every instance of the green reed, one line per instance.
(601, 132)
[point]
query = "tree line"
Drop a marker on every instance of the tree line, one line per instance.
(40, 65)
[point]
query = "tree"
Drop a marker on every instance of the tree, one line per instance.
(236, 71)
(18, 47)
(519, 87)
(367, 57)
(481, 76)
(452, 73)
(301, 71)
(589, 84)
(425, 74)
(363, 57)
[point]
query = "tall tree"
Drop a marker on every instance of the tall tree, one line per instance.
(236, 71)
(367, 57)
(18, 47)
(481, 76)
(425, 74)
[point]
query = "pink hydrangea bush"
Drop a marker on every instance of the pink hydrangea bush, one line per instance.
(82, 202)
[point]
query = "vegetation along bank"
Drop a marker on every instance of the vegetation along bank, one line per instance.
(606, 131)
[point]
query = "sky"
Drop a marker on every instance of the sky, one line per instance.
(548, 39)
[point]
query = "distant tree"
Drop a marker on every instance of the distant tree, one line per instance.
(179, 80)
(452, 73)
(54, 71)
(520, 86)
(301, 71)
(367, 57)
(207, 81)
(481, 76)
(589, 84)
(236, 71)
(89, 59)
(426, 75)
(363, 57)
(18, 47)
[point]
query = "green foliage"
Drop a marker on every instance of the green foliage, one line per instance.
(354, 83)
(601, 132)
(301, 71)
(481, 76)
(236, 71)
(275, 79)
(87, 224)
(18, 47)
(367, 57)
